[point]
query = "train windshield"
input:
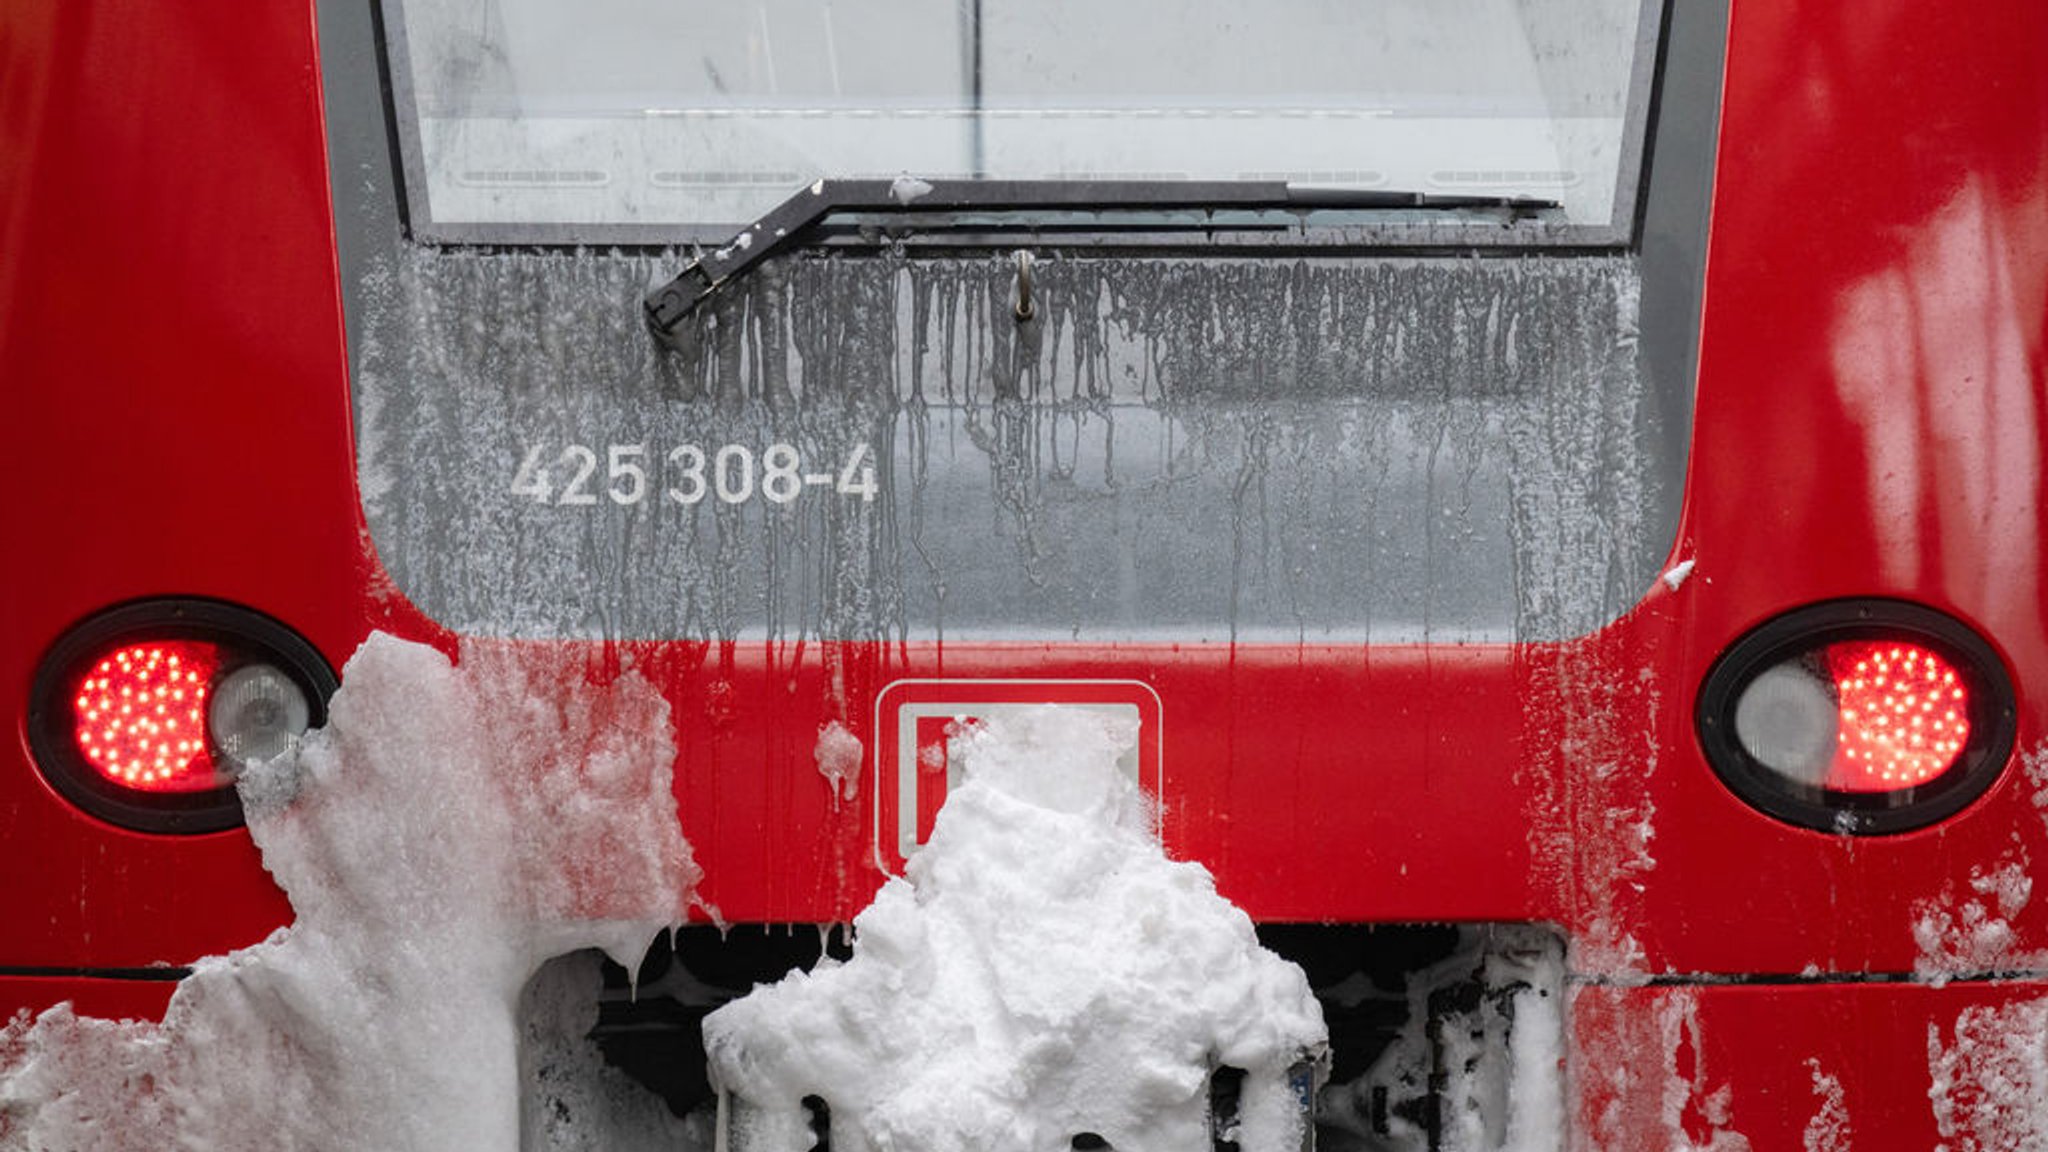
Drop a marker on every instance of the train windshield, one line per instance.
(532, 120)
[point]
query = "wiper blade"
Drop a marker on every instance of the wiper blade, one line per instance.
(668, 305)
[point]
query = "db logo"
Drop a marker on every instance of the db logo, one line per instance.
(916, 719)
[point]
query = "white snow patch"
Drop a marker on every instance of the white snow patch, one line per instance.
(839, 754)
(1989, 1086)
(2035, 766)
(1643, 1078)
(907, 189)
(1714, 1105)
(1677, 573)
(1974, 935)
(740, 243)
(1828, 1130)
(1625, 838)
(1042, 970)
(448, 830)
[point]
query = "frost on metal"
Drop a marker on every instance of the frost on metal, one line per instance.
(449, 830)
(1183, 448)
(2034, 765)
(1646, 1081)
(1989, 1078)
(1829, 1130)
(1972, 934)
(1592, 821)
(1988, 1074)
(1042, 971)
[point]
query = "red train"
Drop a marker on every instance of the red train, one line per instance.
(1599, 516)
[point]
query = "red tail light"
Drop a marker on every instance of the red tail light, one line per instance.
(139, 716)
(1904, 715)
(144, 715)
(1858, 717)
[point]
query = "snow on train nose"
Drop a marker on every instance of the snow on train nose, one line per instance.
(1042, 976)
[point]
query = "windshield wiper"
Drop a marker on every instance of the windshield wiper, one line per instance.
(668, 305)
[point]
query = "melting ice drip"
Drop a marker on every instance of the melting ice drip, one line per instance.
(1043, 971)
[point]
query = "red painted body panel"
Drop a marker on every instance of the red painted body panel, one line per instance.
(1870, 422)
(1693, 1067)
(175, 410)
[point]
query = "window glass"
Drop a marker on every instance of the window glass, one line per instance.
(556, 120)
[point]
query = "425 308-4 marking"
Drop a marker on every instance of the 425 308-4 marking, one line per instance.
(686, 473)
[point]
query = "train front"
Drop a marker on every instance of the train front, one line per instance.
(1381, 578)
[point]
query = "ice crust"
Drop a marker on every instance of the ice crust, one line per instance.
(1829, 1130)
(907, 189)
(1041, 970)
(1388, 450)
(449, 830)
(1988, 1078)
(1974, 935)
(1988, 1073)
(839, 754)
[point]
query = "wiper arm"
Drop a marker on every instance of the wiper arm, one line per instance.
(668, 305)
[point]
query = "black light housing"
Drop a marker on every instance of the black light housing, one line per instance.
(1858, 717)
(144, 714)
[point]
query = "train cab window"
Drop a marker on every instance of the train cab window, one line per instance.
(529, 121)
(1420, 370)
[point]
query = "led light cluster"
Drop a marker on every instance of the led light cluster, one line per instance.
(140, 716)
(1904, 716)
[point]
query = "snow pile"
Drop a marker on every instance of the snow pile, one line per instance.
(448, 831)
(1042, 971)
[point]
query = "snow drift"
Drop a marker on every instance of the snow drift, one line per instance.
(1043, 971)
(449, 830)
